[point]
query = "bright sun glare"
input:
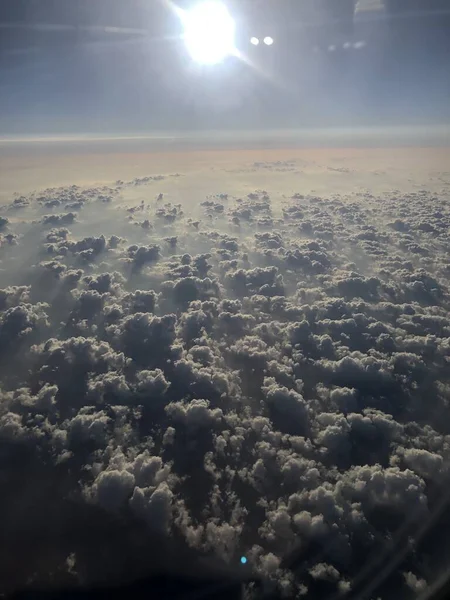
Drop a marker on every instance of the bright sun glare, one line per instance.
(209, 32)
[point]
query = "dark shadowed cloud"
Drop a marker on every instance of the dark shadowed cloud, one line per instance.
(247, 386)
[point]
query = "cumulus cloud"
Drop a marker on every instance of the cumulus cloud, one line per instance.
(246, 376)
(112, 488)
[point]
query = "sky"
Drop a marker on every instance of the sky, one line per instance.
(95, 80)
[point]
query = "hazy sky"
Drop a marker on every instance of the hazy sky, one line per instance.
(53, 78)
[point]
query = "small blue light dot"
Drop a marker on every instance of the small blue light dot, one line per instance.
(243, 560)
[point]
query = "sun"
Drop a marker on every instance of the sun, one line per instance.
(209, 32)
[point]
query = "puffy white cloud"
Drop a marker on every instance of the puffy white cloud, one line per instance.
(287, 407)
(86, 427)
(11, 427)
(154, 505)
(112, 488)
(151, 383)
(416, 584)
(195, 414)
(424, 463)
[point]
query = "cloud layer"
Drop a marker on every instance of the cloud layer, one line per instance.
(254, 376)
